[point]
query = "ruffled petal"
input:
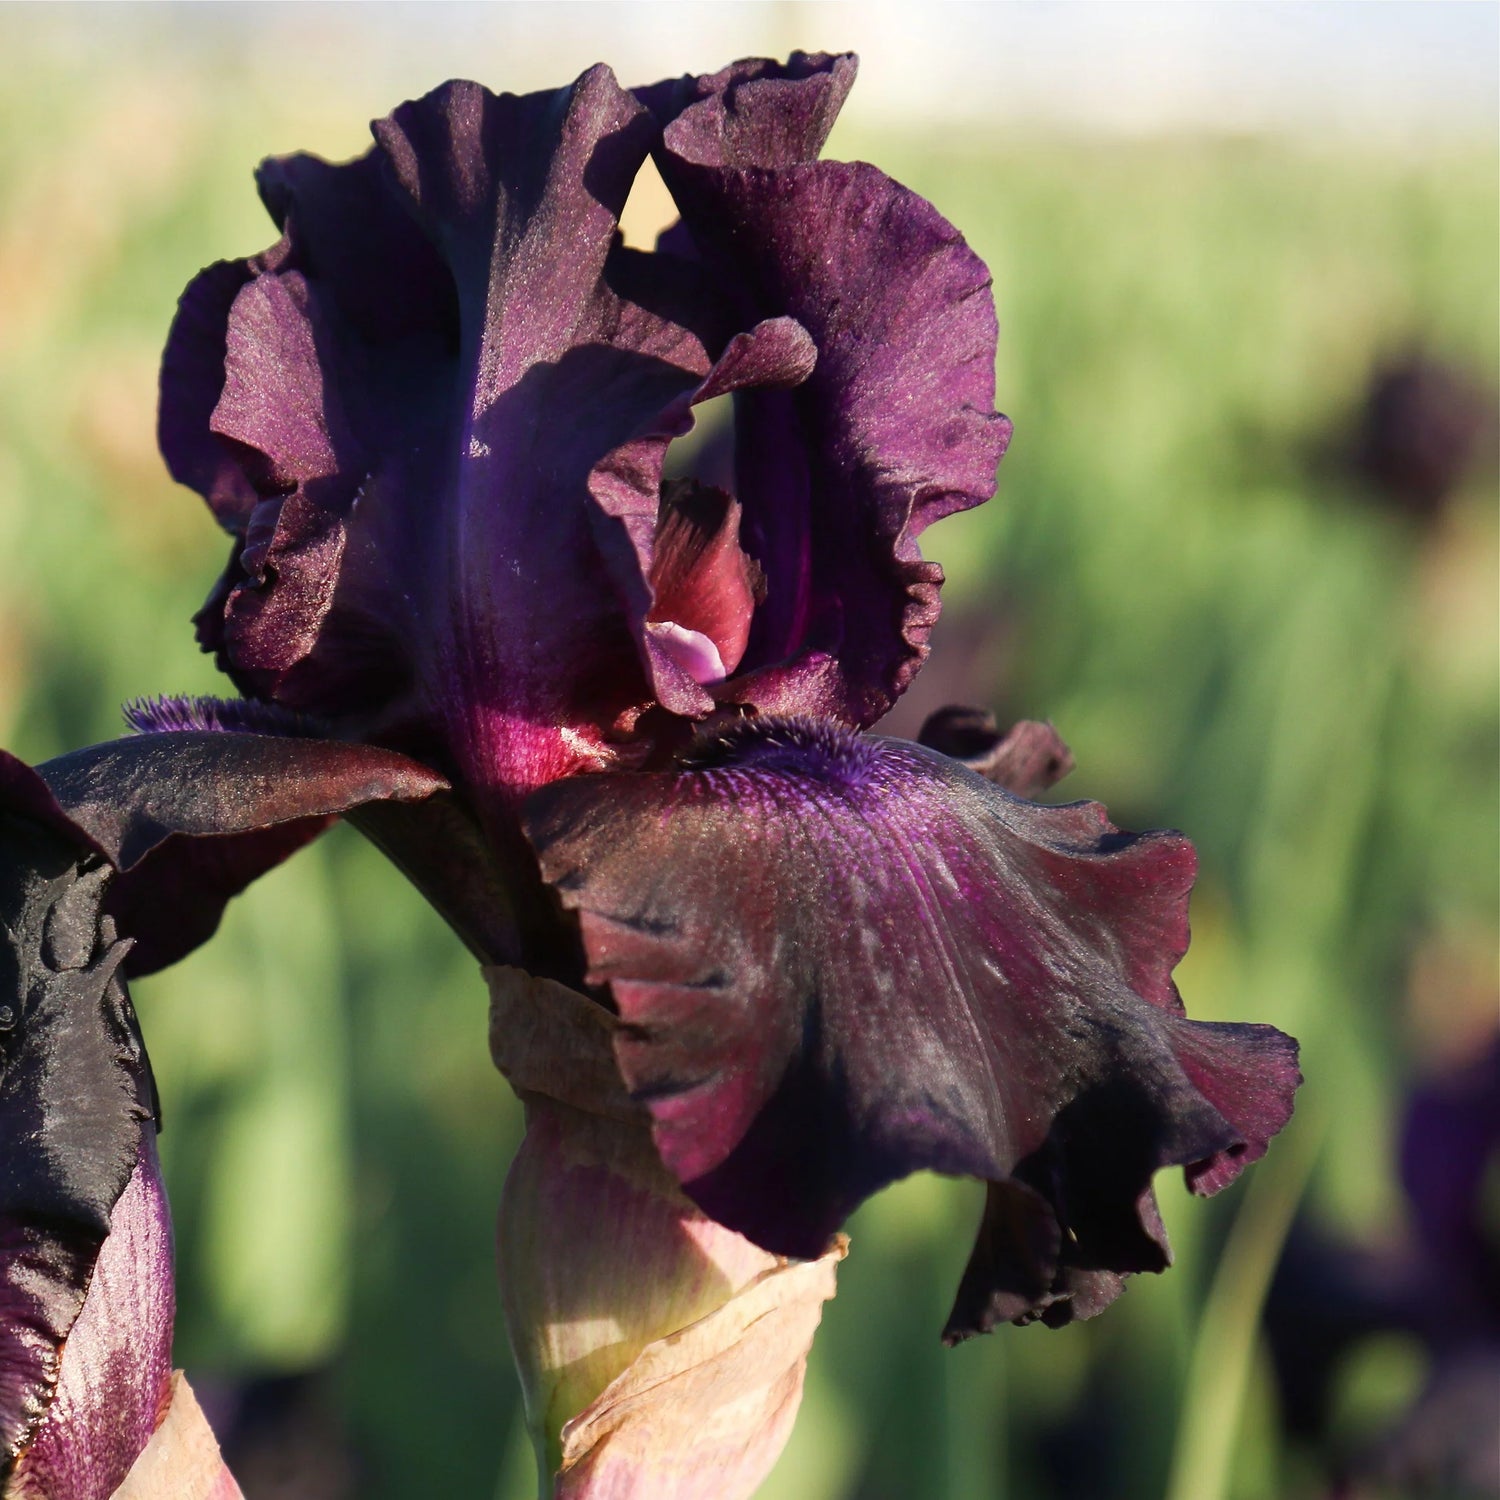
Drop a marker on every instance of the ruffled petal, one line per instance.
(430, 553)
(434, 417)
(840, 960)
(896, 426)
(192, 379)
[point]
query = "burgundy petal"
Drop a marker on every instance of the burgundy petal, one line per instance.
(130, 795)
(841, 960)
(773, 114)
(192, 378)
(896, 426)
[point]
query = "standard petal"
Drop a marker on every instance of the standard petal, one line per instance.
(896, 426)
(419, 384)
(192, 379)
(840, 960)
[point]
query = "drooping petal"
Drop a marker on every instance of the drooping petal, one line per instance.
(839, 960)
(190, 818)
(896, 426)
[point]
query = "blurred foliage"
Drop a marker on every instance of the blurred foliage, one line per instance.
(1180, 571)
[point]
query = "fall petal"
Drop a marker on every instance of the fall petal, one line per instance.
(918, 971)
(191, 817)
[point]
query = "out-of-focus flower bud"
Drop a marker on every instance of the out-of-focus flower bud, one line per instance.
(661, 1354)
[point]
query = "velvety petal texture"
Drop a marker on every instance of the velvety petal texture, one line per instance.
(435, 418)
(190, 817)
(919, 971)
(416, 384)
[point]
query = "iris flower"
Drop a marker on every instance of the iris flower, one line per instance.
(114, 861)
(750, 962)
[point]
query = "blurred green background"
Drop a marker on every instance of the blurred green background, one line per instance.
(1233, 630)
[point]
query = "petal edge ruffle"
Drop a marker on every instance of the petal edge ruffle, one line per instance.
(840, 960)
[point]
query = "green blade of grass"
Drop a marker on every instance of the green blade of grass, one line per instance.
(1224, 1351)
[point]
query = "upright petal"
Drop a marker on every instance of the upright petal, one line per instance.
(419, 384)
(896, 426)
(839, 960)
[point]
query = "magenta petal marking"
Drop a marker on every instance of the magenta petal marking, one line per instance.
(691, 650)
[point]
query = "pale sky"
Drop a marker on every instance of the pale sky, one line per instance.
(1385, 69)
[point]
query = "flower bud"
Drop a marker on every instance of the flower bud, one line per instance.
(659, 1352)
(122, 1424)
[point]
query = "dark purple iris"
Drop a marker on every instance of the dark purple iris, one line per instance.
(116, 860)
(434, 418)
